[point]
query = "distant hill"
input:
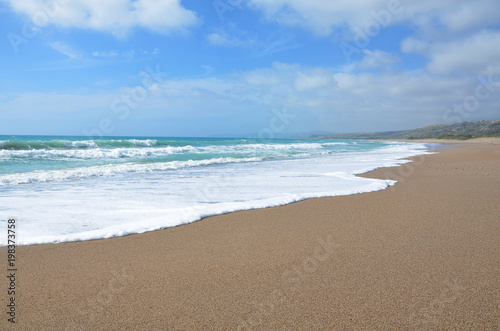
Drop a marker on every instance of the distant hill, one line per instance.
(461, 130)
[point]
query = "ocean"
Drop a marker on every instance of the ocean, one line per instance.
(68, 188)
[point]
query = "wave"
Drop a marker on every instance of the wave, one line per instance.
(110, 170)
(97, 153)
(62, 144)
(133, 148)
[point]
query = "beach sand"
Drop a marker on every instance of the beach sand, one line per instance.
(423, 254)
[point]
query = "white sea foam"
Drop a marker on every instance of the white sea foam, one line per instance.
(123, 152)
(97, 153)
(147, 142)
(109, 170)
(80, 144)
(110, 200)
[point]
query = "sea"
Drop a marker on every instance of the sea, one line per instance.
(70, 188)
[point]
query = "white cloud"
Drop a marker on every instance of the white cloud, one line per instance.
(261, 77)
(105, 53)
(323, 16)
(65, 50)
(221, 39)
(128, 54)
(472, 14)
(313, 79)
(273, 43)
(412, 44)
(318, 15)
(419, 98)
(155, 51)
(115, 16)
(477, 54)
(377, 59)
(332, 98)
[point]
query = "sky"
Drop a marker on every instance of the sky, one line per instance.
(245, 68)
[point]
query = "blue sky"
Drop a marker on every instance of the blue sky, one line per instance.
(245, 67)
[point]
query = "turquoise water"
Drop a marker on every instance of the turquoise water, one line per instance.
(24, 154)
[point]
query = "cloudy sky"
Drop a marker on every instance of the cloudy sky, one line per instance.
(244, 67)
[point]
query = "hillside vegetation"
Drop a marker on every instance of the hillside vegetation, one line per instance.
(461, 130)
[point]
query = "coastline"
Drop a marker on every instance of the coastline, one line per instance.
(420, 254)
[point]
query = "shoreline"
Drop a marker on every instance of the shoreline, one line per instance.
(422, 253)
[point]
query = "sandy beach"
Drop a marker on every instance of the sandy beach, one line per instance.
(421, 255)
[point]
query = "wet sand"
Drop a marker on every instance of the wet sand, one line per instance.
(423, 254)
